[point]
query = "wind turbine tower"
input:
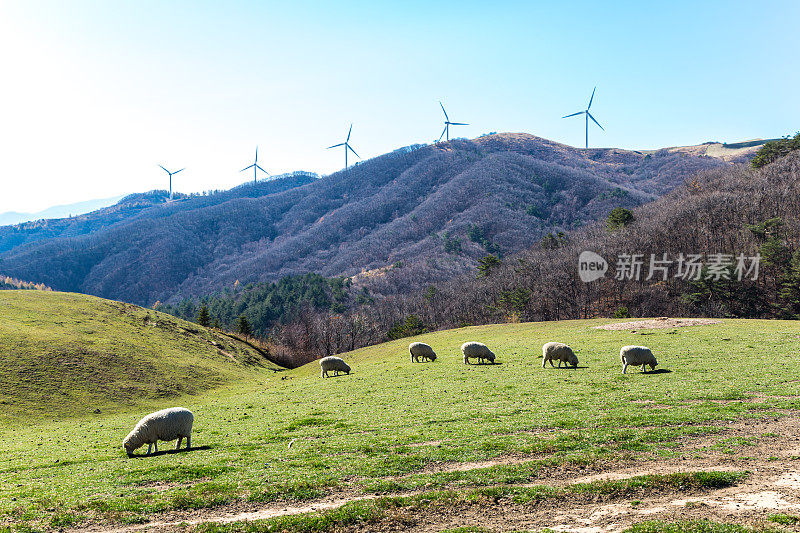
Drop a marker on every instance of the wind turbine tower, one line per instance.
(447, 124)
(588, 116)
(255, 168)
(170, 179)
(347, 146)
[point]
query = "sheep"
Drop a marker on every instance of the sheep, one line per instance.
(333, 364)
(558, 351)
(420, 350)
(476, 350)
(167, 424)
(637, 355)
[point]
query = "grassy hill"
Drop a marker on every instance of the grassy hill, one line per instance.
(393, 426)
(69, 354)
(435, 208)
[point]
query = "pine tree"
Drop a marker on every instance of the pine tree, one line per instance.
(243, 326)
(790, 288)
(203, 318)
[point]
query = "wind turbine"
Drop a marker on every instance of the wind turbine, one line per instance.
(170, 179)
(347, 146)
(588, 116)
(447, 124)
(255, 168)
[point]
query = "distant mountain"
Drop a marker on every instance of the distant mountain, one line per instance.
(130, 207)
(435, 208)
(59, 211)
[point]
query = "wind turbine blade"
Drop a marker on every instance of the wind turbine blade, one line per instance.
(256, 153)
(445, 112)
(349, 132)
(590, 99)
(178, 171)
(593, 120)
(351, 149)
(572, 115)
(459, 124)
(164, 169)
(442, 135)
(262, 170)
(335, 146)
(247, 168)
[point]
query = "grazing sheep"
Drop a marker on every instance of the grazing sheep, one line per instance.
(420, 350)
(635, 356)
(167, 424)
(333, 364)
(476, 350)
(560, 352)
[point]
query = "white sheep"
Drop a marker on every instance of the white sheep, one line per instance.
(420, 350)
(167, 425)
(333, 364)
(476, 350)
(560, 352)
(635, 356)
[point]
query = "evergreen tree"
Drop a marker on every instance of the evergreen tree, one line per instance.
(243, 326)
(619, 218)
(487, 264)
(203, 318)
(790, 288)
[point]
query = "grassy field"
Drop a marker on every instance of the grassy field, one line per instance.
(290, 435)
(64, 355)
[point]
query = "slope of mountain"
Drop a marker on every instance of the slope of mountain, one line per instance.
(740, 152)
(435, 208)
(58, 211)
(134, 205)
(741, 226)
(69, 354)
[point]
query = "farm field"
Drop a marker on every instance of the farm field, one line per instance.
(712, 434)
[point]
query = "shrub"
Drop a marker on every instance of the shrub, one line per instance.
(622, 312)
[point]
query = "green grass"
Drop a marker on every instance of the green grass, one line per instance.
(67, 355)
(695, 526)
(785, 519)
(290, 435)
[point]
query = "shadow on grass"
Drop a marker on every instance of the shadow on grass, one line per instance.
(659, 371)
(170, 452)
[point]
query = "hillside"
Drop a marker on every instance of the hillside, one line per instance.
(499, 446)
(740, 152)
(436, 209)
(734, 211)
(69, 354)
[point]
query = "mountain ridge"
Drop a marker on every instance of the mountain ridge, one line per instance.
(438, 207)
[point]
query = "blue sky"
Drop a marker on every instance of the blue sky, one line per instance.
(96, 94)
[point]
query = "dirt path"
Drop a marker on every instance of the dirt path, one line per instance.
(773, 486)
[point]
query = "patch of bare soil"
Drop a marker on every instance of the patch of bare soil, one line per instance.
(772, 486)
(658, 323)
